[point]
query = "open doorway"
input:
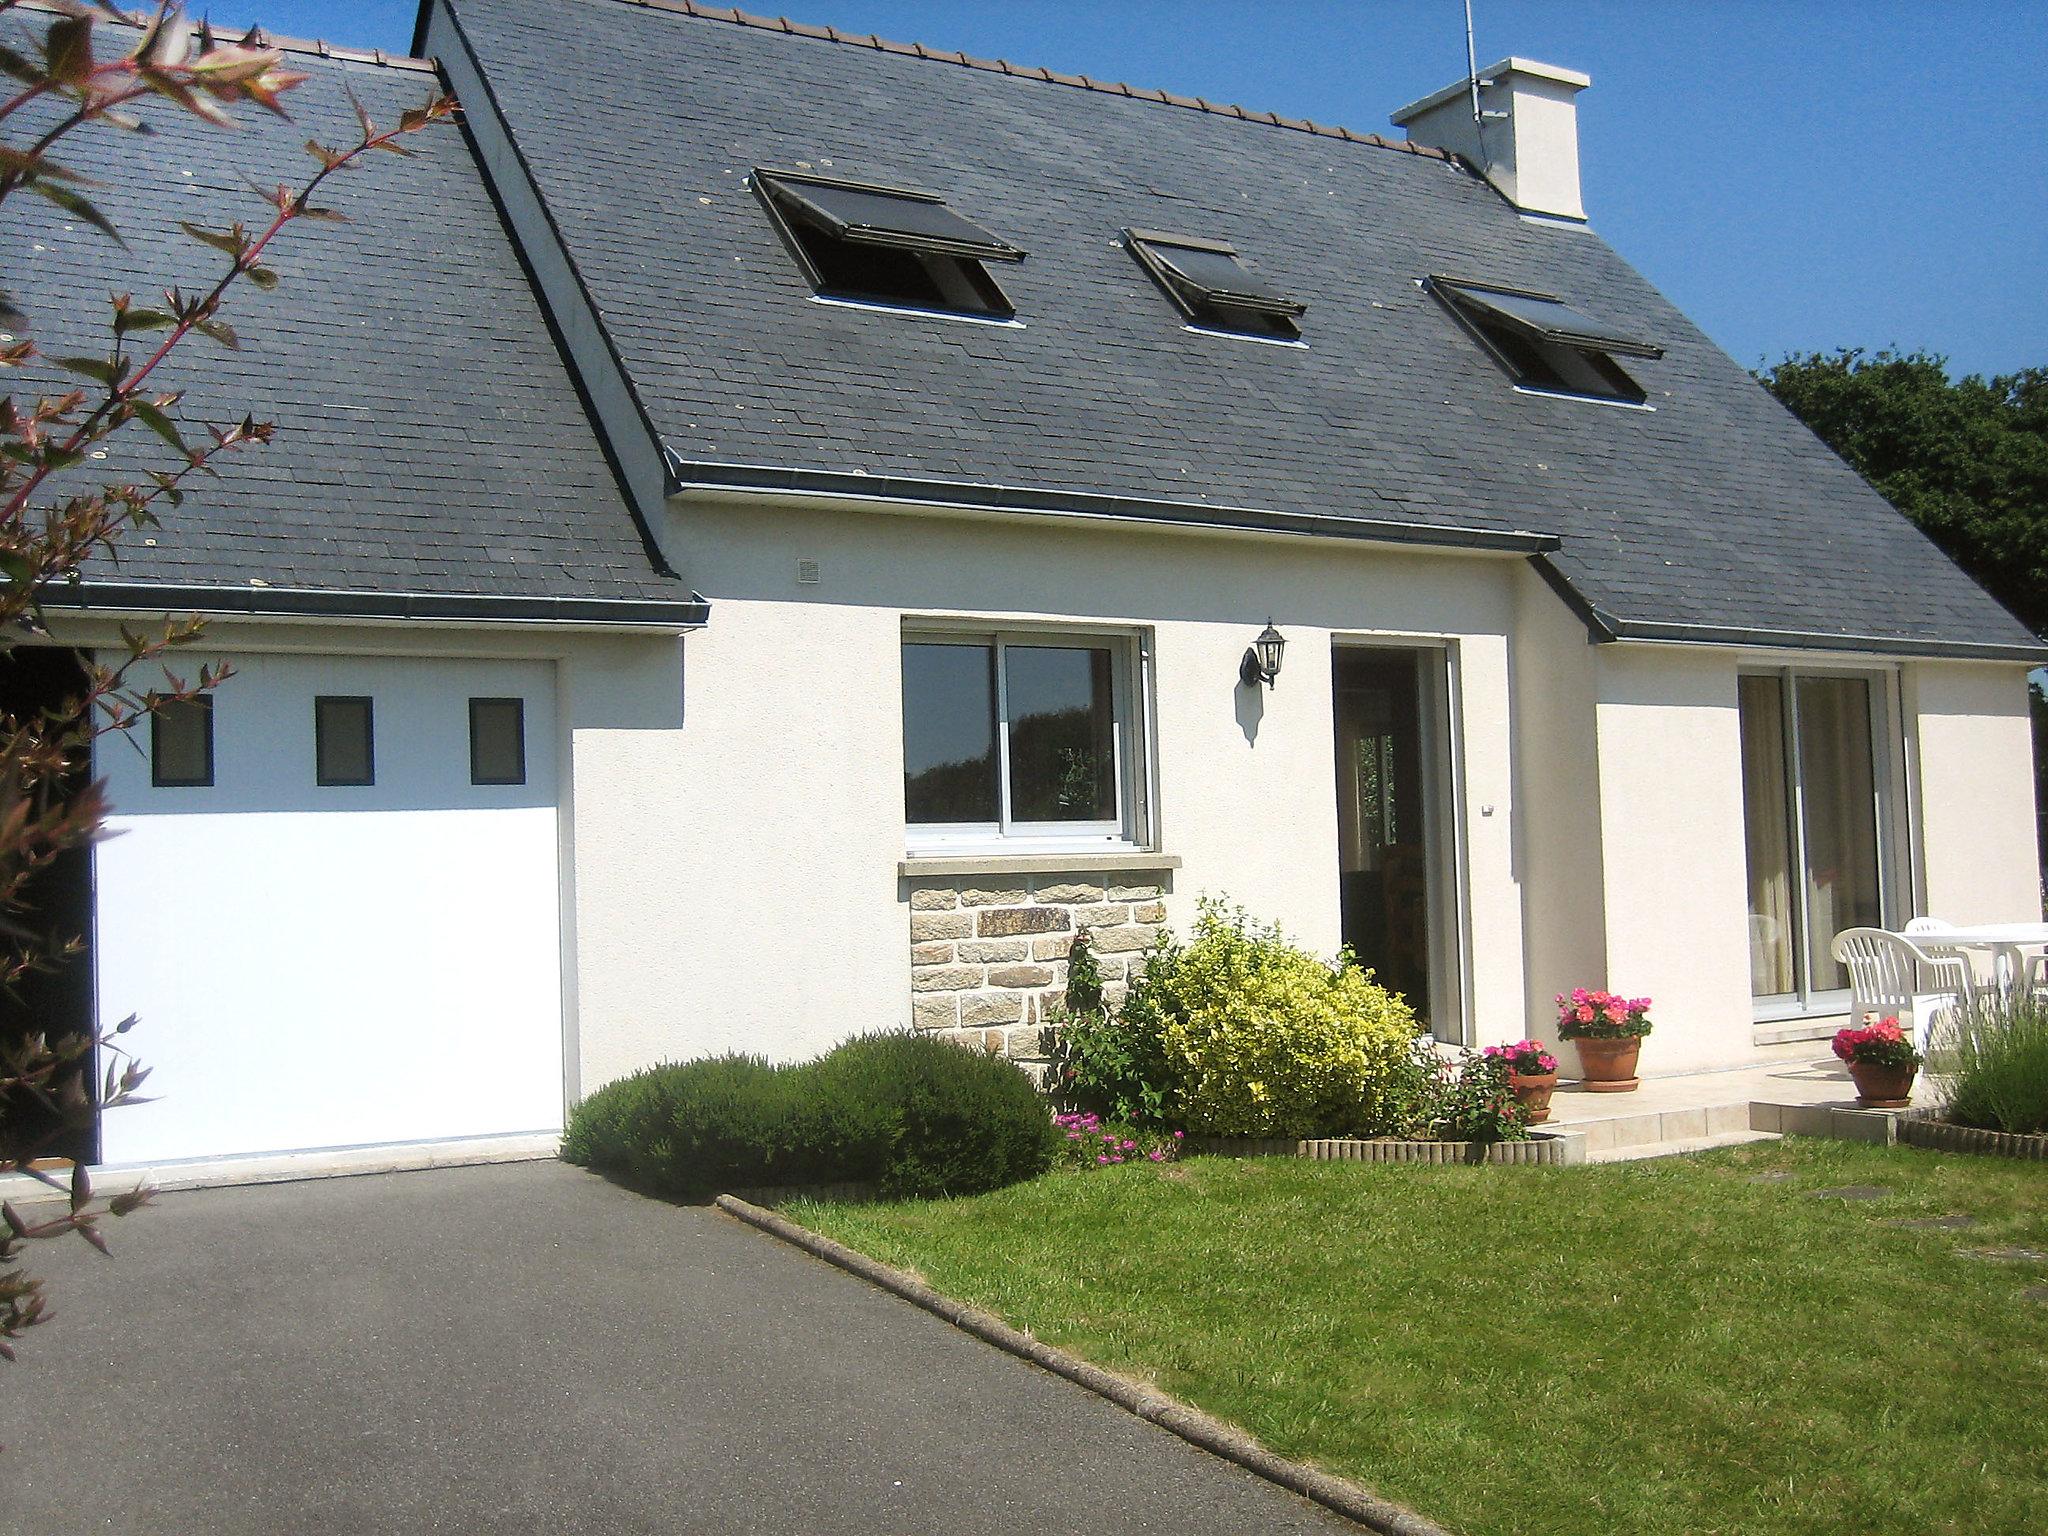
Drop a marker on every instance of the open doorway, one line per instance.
(56, 998)
(1395, 869)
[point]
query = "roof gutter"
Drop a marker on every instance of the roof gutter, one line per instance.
(666, 614)
(2033, 655)
(687, 477)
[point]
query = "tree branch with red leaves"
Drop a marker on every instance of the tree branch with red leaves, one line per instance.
(56, 1080)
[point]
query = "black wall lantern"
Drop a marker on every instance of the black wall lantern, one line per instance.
(1261, 662)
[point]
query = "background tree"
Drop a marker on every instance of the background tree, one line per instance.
(1965, 459)
(67, 78)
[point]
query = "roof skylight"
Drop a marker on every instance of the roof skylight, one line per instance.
(886, 245)
(1544, 342)
(1207, 283)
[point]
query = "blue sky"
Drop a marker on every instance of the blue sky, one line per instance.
(1796, 176)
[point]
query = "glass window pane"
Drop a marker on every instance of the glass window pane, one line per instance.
(341, 741)
(1767, 837)
(884, 217)
(1062, 733)
(497, 741)
(949, 733)
(181, 743)
(1838, 794)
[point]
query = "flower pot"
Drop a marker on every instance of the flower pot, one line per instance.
(1881, 1087)
(1608, 1066)
(1534, 1090)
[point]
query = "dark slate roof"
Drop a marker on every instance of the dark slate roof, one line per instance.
(640, 122)
(432, 454)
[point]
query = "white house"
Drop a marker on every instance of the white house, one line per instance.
(766, 544)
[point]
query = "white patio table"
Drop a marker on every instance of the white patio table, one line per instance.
(2006, 943)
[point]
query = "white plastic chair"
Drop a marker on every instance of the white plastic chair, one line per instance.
(1928, 925)
(1885, 971)
(1926, 931)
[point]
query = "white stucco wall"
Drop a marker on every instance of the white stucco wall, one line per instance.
(1557, 789)
(1674, 886)
(736, 864)
(1974, 745)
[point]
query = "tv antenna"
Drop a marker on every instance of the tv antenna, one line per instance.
(1479, 117)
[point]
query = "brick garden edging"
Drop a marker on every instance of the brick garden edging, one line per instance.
(1923, 1130)
(1190, 1424)
(1914, 1127)
(1541, 1147)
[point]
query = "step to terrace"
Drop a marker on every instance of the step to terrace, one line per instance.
(1695, 1111)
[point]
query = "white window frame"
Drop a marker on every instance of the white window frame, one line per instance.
(1129, 692)
(1886, 768)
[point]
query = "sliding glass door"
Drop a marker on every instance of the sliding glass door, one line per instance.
(1813, 825)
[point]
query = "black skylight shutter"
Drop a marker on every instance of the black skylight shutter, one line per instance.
(1205, 274)
(885, 216)
(1543, 318)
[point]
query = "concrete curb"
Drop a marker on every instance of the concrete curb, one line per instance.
(295, 1167)
(1197, 1428)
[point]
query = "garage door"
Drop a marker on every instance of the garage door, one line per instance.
(338, 918)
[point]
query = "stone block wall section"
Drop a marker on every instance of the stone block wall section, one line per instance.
(988, 956)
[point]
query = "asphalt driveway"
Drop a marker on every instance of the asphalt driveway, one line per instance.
(525, 1348)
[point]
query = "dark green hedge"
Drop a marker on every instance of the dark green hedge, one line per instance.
(912, 1115)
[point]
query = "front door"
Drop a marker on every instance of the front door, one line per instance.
(1390, 761)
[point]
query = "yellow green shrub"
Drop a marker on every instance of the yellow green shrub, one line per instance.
(1265, 1039)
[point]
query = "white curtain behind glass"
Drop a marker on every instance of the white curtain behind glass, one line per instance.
(1767, 825)
(1841, 817)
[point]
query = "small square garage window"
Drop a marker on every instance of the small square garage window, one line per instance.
(497, 741)
(181, 744)
(343, 749)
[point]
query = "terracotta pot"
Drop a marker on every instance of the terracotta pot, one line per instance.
(1534, 1090)
(1882, 1087)
(1608, 1066)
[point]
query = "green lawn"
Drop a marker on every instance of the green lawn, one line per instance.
(1686, 1345)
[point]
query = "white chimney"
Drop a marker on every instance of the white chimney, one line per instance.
(1526, 140)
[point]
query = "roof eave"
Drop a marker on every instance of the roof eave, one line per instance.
(662, 614)
(690, 477)
(1904, 647)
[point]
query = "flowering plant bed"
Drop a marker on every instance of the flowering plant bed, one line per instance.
(1537, 1147)
(1592, 1015)
(1088, 1141)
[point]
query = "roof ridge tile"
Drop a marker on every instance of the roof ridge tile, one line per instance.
(319, 48)
(733, 15)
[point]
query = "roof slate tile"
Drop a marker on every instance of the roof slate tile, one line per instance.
(429, 437)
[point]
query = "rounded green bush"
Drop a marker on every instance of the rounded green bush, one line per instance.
(912, 1115)
(1264, 1039)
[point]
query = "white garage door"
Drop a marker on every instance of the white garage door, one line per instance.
(338, 963)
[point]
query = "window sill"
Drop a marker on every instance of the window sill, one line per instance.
(937, 864)
(920, 311)
(1580, 395)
